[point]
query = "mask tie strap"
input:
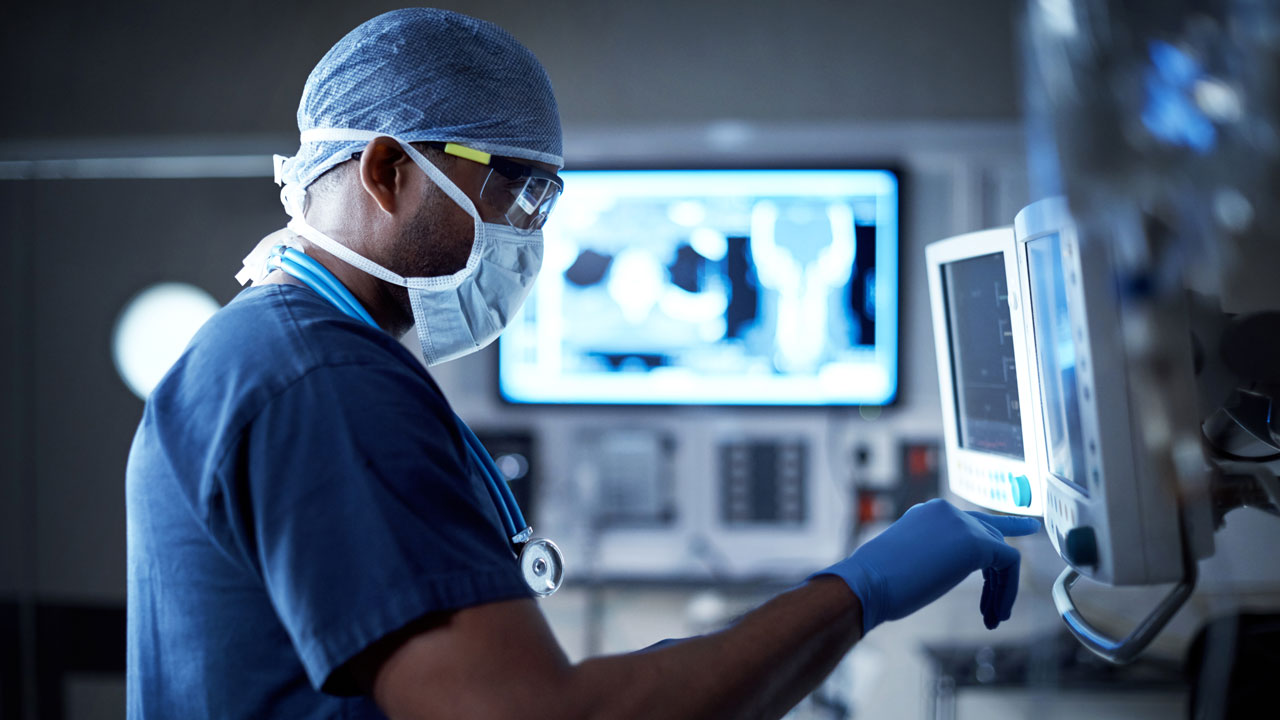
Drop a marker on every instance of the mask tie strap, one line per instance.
(437, 176)
(344, 253)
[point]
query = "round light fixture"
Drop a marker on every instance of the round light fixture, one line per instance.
(154, 329)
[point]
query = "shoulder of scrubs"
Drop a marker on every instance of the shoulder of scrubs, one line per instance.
(333, 469)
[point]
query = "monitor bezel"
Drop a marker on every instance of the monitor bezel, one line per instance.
(893, 168)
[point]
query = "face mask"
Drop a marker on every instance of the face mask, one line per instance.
(457, 314)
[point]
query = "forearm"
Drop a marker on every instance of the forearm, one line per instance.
(501, 660)
(759, 667)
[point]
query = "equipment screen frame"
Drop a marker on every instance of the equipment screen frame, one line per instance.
(888, 294)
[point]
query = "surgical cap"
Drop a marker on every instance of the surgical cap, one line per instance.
(422, 74)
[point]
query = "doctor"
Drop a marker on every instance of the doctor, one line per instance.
(311, 531)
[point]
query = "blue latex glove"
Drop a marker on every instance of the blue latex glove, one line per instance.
(928, 551)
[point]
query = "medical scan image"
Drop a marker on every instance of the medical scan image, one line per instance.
(712, 287)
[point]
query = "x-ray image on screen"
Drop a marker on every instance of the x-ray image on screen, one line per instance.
(769, 287)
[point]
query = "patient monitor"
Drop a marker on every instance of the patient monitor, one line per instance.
(984, 371)
(1152, 310)
(1067, 393)
(1106, 512)
(1041, 416)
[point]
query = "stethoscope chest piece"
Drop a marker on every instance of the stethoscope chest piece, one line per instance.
(542, 566)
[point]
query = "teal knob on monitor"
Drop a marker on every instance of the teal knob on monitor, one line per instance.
(1020, 489)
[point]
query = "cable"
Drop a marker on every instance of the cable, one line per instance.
(497, 483)
(1221, 454)
(1261, 459)
(503, 496)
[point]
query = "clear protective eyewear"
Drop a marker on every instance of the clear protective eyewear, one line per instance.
(528, 193)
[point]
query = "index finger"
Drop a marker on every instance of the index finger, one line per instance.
(1009, 525)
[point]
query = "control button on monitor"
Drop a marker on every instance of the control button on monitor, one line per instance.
(1081, 547)
(1021, 490)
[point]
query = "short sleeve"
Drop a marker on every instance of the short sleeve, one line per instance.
(355, 503)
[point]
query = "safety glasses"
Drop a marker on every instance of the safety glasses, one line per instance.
(528, 193)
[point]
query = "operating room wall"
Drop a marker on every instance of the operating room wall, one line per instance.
(927, 86)
(11, 440)
(73, 417)
(150, 70)
(72, 271)
(662, 80)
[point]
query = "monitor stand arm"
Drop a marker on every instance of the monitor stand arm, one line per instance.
(1123, 650)
(1233, 485)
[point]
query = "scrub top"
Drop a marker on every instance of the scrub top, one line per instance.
(298, 488)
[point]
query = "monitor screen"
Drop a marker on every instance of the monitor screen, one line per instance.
(983, 363)
(1056, 358)
(712, 287)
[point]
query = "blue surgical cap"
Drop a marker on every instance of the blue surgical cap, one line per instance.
(421, 74)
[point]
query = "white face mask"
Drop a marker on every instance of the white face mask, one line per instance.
(457, 314)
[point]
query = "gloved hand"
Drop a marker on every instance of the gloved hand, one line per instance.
(928, 551)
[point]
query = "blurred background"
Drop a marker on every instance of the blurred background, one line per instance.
(135, 173)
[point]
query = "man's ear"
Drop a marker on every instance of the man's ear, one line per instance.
(382, 171)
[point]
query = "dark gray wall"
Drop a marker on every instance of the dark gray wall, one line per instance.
(171, 78)
(92, 245)
(185, 78)
(231, 69)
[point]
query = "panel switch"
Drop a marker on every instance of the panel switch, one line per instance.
(1081, 547)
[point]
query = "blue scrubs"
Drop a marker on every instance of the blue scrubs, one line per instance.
(298, 489)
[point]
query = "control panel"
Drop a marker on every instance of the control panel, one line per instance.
(763, 483)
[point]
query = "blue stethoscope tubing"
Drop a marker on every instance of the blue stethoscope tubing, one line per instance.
(318, 278)
(501, 493)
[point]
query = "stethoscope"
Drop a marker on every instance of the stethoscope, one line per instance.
(541, 563)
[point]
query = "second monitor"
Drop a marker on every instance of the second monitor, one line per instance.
(713, 287)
